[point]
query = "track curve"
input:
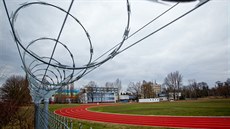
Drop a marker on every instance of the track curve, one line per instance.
(81, 112)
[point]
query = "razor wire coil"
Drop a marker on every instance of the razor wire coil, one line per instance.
(68, 74)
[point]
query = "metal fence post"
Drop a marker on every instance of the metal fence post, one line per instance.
(46, 113)
(36, 115)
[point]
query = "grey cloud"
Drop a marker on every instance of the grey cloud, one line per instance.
(197, 45)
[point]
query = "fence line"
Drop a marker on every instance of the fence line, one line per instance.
(49, 120)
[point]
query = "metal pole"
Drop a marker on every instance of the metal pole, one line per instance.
(36, 115)
(46, 112)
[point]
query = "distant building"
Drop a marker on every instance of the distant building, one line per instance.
(171, 95)
(124, 97)
(163, 96)
(99, 94)
(68, 90)
(156, 88)
(66, 94)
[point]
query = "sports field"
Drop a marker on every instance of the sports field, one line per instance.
(208, 107)
(218, 107)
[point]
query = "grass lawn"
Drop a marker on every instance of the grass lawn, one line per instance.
(209, 107)
(53, 107)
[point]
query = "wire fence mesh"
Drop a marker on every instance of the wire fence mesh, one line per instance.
(50, 120)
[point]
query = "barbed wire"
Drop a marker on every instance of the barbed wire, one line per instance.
(164, 26)
(152, 33)
(69, 78)
(47, 73)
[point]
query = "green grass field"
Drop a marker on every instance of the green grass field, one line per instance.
(53, 107)
(209, 107)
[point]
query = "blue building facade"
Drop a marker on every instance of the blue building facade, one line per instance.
(101, 95)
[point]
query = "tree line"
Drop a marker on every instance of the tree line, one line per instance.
(173, 85)
(143, 89)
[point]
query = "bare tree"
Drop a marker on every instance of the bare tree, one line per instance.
(109, 84)
(223, 88)
(147, 90)
(193, 86)
(91, 89)
(203, 89)
(228, 81)
(15, 89)
(117, 84)
(135, 89)
(101, 95)
(15, 93)
(174, 81)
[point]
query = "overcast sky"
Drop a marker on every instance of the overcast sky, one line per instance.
(198, 45)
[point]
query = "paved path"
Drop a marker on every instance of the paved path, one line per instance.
(81, 112)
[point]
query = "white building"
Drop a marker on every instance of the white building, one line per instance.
(100, 95)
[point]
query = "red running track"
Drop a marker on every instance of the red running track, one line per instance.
(81, 112)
